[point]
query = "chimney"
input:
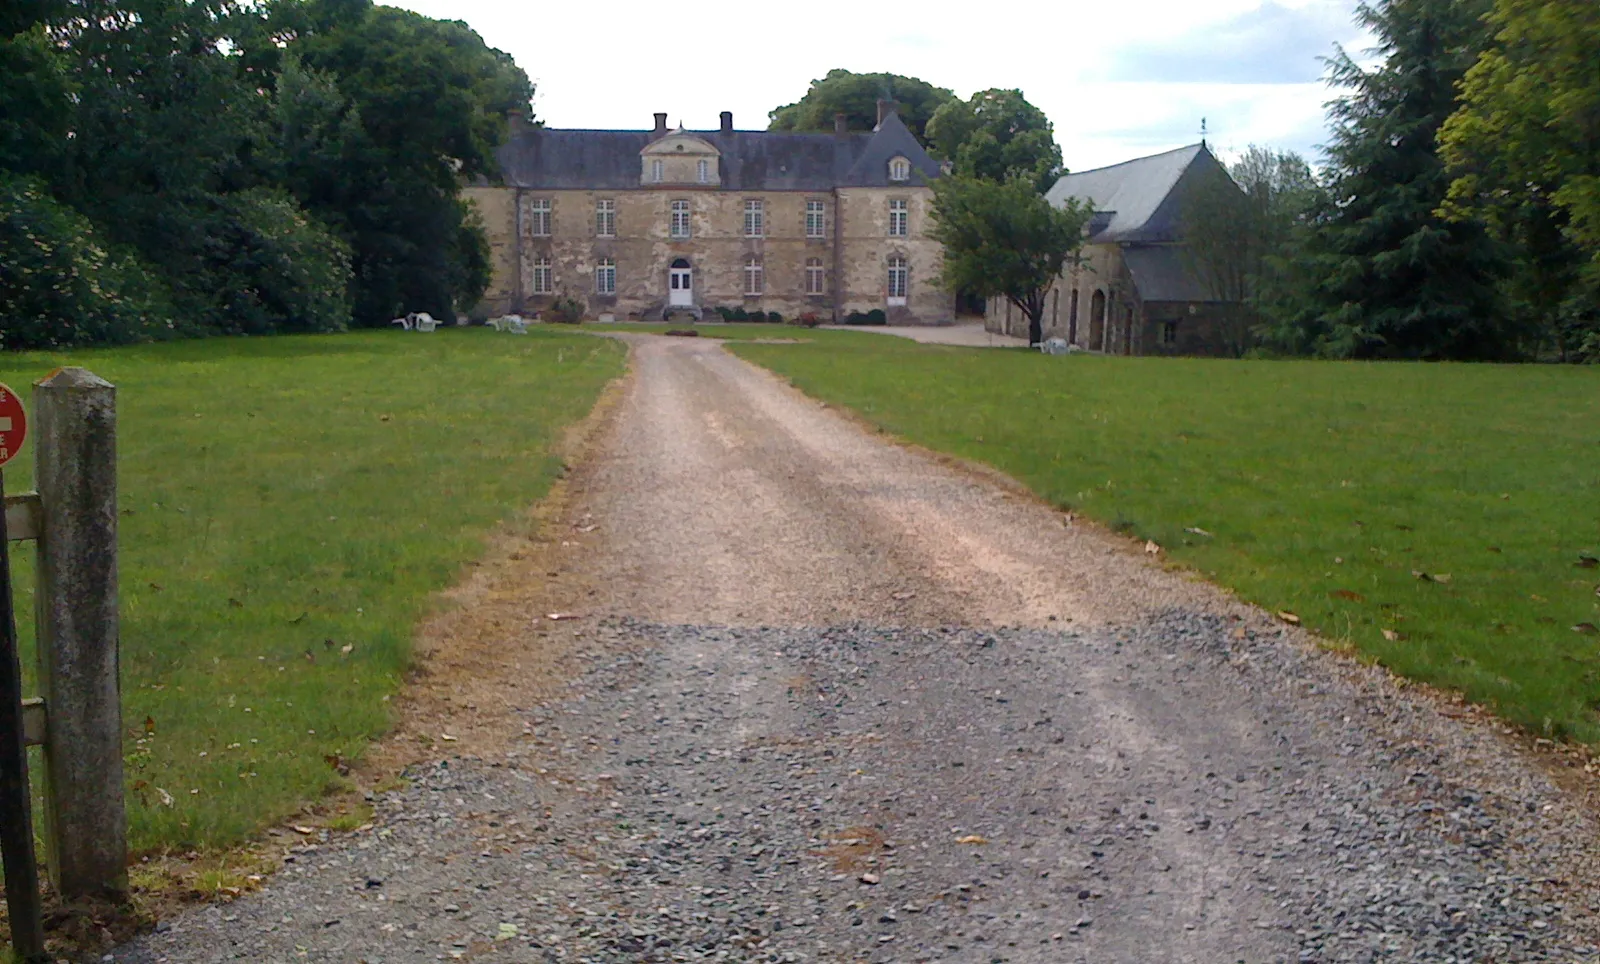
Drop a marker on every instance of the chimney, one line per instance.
(727, 122)
(661, 123)
(841, 123)
(885, 108)
(516, 121)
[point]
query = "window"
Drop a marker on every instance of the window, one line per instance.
(605, 219)
(605, 277)
(815, 219)
(655, 171)
(897, 277)
(1169, 333)
(542, 280)
(899, 169)
(539, 217)
(679, 226)
(752, 276)
(814, 276)
(754, 224)
(899, 217)
(702, 171)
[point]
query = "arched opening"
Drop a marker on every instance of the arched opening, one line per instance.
(1072, 318)
(680, 283)
(1097, 320)
(1127, 333)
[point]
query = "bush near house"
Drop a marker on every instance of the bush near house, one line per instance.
(288, 505)
(1443, 520)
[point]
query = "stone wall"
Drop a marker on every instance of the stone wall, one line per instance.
(717, 250)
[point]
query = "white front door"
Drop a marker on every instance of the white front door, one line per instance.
(680, 286)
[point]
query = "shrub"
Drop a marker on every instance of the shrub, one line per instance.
(873, 317)
(809, 319)
(774, 318)
(274, 268)
(759, 317)
(738, 314)
(726, 314)
(565, 310)
(59, 285)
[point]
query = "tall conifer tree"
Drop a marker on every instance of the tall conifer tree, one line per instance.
(1381, 273)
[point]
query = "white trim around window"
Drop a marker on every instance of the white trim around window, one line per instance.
(754, 218)
(754, 281)
(655, 170)
(899, 169)
(605, 218)
(899, 279)
(702, 171)
(605, 276)
(816, 278)
(543, 277)
(816, 219)
(899, 217)
(539, 210)
(678, 225)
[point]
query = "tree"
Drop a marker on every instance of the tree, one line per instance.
(1523, 151)
(380, 114)
(1002, 239)
(856, 96)
(1236, 222)
(1382, 274)
(997, 135)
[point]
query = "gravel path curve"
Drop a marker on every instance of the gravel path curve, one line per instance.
(839, 701)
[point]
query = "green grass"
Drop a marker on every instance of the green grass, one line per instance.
(733, 331)
(1324, 486)
(287, 506)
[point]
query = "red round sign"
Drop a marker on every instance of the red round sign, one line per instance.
(13, 424)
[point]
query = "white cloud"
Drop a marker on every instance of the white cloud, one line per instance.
(1245, 65)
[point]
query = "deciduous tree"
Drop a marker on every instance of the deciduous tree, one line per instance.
(997, 135)
(856, 96)
(1002, 239)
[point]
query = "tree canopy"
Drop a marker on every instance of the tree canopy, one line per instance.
(1381, 273)
(1002, 239)
(997, 135)
(1523, 152)
(856, 96)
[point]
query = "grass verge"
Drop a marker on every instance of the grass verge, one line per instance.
(1440, 519)
(288, 506)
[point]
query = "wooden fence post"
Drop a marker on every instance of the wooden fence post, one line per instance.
(75, 453)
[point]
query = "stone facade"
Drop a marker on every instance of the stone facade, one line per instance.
(1130, 292)
(634, 223)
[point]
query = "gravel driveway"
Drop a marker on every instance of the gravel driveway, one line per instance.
(831, 699)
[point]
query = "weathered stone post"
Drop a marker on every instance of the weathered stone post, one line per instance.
(75, 453)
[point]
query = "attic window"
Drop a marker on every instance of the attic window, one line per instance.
(679, 147)
(899, 169)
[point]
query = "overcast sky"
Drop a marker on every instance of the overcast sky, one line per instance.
(1119, 79)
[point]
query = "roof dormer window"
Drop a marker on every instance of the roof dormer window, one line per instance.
(899, 169)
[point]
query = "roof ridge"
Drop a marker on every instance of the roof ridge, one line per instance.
(1136, 160)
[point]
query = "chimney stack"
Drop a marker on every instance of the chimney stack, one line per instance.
(727, 122)
(661, 123)
(516, 121)
(841, 124)
(885, 108)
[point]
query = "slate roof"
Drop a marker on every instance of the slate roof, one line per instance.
(547, 159)
(1161, 275)
(1134, 200)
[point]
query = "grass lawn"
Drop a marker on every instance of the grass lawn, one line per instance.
(287, 506)
(1435, 518)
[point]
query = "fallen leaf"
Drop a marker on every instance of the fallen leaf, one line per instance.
(1348, 594)
(307, 831)
(310, 656)
(347, 648)
(1586, 561)
(1587, 629)
(1393, 636)
(236, 604)
(972, 838)
(149, 724)
(298, 619)
(1494, 548)
(1239, 633)
(506, 932)
(556, 617)
(1421, 576)
(1288, 617)
(903, 595)
(166, 798)
(1442, 577)
(155, 586)
(447, 738)
(587, 528)
(383, 418)
(1196, 530)
(1402, 527)
(870, 878)
(1151, 548)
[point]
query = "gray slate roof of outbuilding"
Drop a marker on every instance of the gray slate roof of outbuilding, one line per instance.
(555, 159)
(1134, 200)
(1161, 275)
